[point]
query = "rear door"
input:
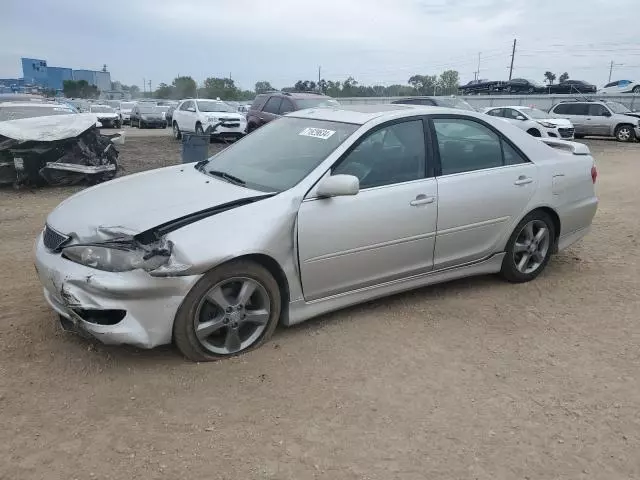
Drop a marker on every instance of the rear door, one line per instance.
(577, 113)
(484, 186)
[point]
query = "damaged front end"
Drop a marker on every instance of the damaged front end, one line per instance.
(116, 249)
(38, 151)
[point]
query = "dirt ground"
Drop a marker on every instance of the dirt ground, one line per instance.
(475, 379)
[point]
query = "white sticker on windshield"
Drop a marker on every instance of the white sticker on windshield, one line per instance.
(317, 133)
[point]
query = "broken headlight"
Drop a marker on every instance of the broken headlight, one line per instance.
(114, 259)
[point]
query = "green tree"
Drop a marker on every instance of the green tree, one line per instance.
(550, 77)
(564, 77)
(423, 84)
(164, 91)
(79, 89)
(449, 82)
(185, 87)
(223, 88)
(262, 87)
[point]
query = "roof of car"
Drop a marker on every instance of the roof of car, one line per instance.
(361, 114)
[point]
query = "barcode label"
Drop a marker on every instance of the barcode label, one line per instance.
(317, 133)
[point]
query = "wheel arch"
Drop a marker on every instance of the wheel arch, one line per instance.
(274, 268)
(555, 218)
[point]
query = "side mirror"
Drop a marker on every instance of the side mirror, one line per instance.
(520, 117)
(191, 109)
(338, 186)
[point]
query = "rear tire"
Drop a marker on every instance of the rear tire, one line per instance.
(529, 248)
(215, 315)
(625, 133)
(534, 132)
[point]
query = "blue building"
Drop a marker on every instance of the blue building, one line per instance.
(34, 71)
(57, 75)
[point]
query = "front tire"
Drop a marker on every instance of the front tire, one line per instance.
(232, 309)
(625, 133)
(636, 89)
(529, 248)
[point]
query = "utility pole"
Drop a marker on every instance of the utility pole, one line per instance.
(477, 72)
(319, 75)
(513, 54)
(149, 87)
(144, 86)
(610, 71)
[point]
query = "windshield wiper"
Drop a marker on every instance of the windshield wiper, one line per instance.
(228, 177)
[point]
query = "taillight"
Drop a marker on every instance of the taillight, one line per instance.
(594, 174)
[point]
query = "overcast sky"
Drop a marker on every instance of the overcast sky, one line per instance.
(375, 41)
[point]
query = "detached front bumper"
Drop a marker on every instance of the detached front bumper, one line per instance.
(116, 308)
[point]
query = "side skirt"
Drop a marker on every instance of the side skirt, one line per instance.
(300, 310)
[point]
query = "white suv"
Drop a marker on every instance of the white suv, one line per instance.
(214, 116)
(535, 122)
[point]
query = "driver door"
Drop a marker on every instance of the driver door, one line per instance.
(386, 231)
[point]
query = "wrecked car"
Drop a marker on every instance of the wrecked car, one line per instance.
(56, 150)
(315, 211)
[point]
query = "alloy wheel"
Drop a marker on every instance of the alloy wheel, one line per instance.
(232, 315)
(624, 134)
(531, 246)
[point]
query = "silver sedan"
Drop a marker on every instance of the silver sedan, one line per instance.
(321, 209)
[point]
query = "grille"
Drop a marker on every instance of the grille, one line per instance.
(52, 239)
(566, 132)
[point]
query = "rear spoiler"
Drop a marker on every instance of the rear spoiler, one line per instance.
(570, 147)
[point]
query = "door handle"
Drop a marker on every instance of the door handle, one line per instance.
(522, 180)
(422, 200)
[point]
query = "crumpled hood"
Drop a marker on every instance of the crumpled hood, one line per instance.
(142, 201)
(632, 114)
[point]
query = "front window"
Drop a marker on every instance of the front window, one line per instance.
(535, 113)
(617, 107)
(316, 102)
(280, 154)
(16, 113)
(102, 110)
(213, 106)
(147, 108)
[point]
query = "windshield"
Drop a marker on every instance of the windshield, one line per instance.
(126, 105)
(162, 108)
(15, 112)
(455, 103)
(280, 154)
(147, 108)
(535, 113)
(213, 106)
(316, 102)
(617, 107)
(102, 110)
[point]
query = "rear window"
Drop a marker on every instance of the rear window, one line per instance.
(572, 109)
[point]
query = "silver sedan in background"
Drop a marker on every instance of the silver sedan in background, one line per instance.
(321, 209)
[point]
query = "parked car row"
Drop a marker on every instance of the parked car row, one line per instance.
(568, 87)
